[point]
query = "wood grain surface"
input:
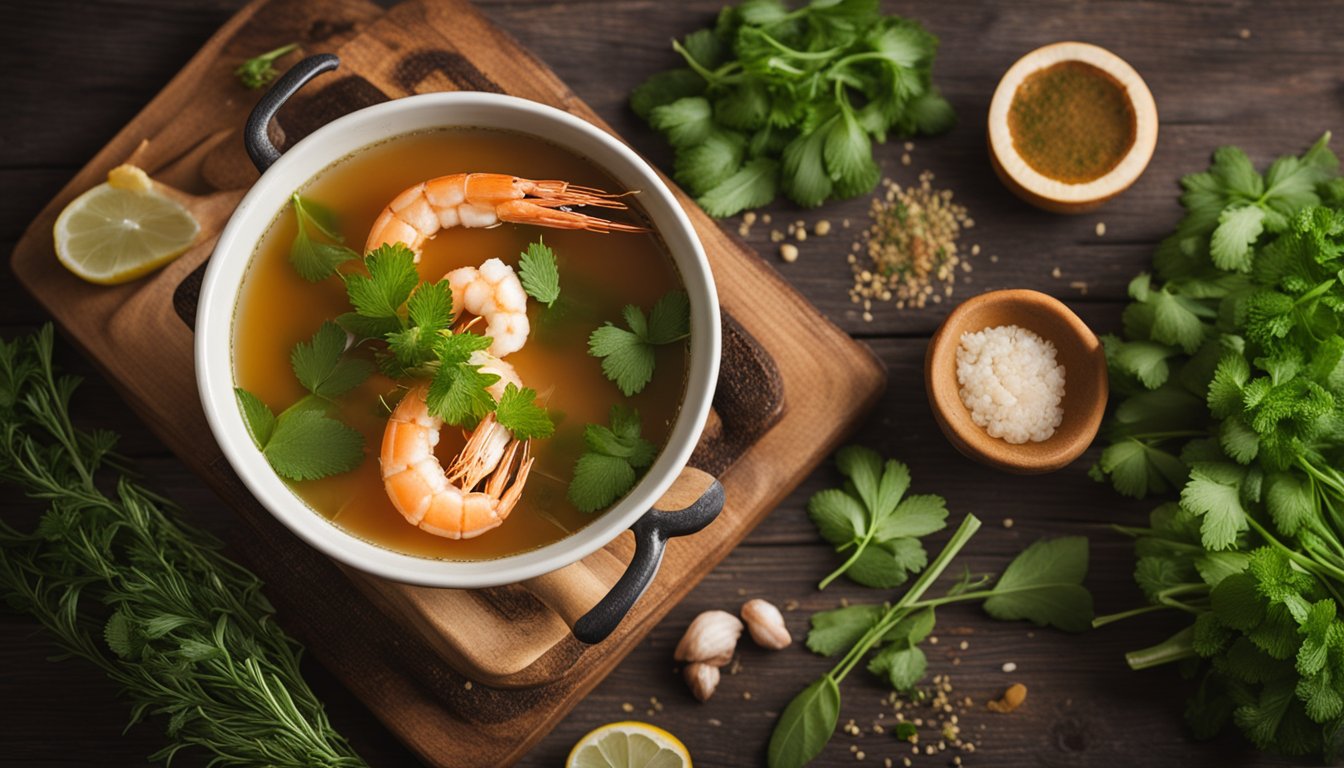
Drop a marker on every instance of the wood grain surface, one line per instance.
(1263, 76)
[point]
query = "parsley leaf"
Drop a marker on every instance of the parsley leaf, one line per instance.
(628, 355)
(313, 259)
(392, 277)
(607, 469)
(322, 366)
(870, 517)
(518, 412)
(751, 186)
(459, 393)
(539, 274)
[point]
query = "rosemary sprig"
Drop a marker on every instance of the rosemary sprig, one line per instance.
(184, 632)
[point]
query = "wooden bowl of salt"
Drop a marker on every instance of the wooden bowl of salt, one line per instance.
(1076, 348)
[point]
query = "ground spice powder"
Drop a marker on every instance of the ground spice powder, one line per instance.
(1072, 122)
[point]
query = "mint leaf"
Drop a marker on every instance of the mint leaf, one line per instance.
(322, 366)
(1044, 585)
(307, 445)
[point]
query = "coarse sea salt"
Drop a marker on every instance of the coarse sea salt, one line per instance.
(1011, 383)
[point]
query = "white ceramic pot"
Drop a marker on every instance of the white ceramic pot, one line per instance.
(348, 134)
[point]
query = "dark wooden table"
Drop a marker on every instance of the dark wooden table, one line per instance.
(1265, 77)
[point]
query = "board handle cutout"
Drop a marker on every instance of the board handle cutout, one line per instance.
(692, 503)
(256, 135)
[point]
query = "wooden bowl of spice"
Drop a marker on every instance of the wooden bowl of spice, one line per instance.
(1071, 125)
(1017, 381)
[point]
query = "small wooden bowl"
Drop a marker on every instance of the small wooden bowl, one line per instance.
(1085, 384)
(1052, 194)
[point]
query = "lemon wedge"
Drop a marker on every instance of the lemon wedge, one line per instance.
(629, 744)
(122, 229)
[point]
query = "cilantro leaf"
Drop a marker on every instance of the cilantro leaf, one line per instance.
(539, 274)
(518, 412)
(686, 121)
(704, 166)
(392, 277)
(1044, 585)
(628, 355)
(751, 186)
(1214, 493)
(322, 366)
(608, 468)
(307, 445)
(871, 518)
(1237, 230)
(430, 313)
(665, 88)
(1138, 469)
(315, 260)
(902, 663)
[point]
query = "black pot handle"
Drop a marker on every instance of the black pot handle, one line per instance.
(651, 535)
(255, 135)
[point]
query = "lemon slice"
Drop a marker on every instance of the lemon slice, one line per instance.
(629, 745)
(122, 229)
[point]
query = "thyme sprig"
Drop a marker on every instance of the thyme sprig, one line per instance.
(183, 631)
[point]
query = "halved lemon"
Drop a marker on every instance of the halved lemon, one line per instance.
(122, 229)
(629, 744)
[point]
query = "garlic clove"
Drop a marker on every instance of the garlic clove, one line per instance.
(702, 678)
(710, 638)
(766, 624)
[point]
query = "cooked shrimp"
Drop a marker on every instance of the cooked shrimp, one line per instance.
(448, 502)
(493, 293)
(487, 200)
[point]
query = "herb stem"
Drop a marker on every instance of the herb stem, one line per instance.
(1175, 648)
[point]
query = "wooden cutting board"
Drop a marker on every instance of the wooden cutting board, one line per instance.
(464, 677)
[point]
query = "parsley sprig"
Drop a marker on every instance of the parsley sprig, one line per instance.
(612, 461)
(870, 519)
(303, 442)
(117, 577)
(1231, 374)
(628, 354)
(258, 71)
(1043, 584)
(318, 247)
(776, 99)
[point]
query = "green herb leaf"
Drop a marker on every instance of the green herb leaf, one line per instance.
(392, 277)
(806, 725)
(459, 393)
(665, 88)
(539, 274)
(628, 355)
(258, 71)
(608, 469)
(751, 186)
(306, 445)
(833, 631)
(870, 521)
(711, 162)
(902, 663)
(1044, 585)
(322, 367)
(518, 412)
(259, 418)
(1237, 230)
(312, 259)
(686, 121)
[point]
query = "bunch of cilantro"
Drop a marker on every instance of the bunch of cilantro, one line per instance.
(776, 100)
(1231, 371)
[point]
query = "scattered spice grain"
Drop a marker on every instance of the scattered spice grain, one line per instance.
(1101, 228)
(822, 228)
(1007, 522)
(1012, 699)
(1009, 666)
(910, 253)
(788, 252)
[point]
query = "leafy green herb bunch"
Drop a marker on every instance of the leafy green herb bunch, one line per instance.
(1231, 383)
(774, 99)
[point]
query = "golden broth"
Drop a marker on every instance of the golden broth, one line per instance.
(599, 275)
